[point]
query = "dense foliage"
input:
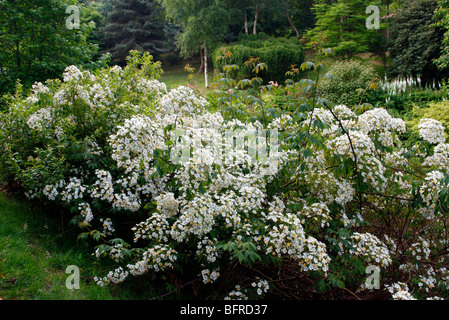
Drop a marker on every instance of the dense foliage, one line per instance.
(415, 42)
(350, 84)
(36, 45)
(279, 54)
(171, 189)
(284, 178)
(341, 25)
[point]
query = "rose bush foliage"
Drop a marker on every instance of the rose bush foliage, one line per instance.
(167, 187)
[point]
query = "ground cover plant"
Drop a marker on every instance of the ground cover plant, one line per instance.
(172, 189)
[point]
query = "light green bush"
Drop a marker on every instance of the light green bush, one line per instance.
(349, 76)
(435, 110)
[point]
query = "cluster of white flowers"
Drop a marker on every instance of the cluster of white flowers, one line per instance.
(167, 205)
(439, 158)
(399, 85)
(207, 248)
(72, 73)
(431, 131)
(379, 120)
(210, 276)
(155, 227)
(345, 192)
(317, 212)
(361, 143)
(126, 201)
(262, 286)
(116, 252)
(108, 227)
(370, 247)
(314, 257)
(429, 192)
(86, 212)
(346, 116)
(343, 112)
(350, 222)
(236, 294)
(51, 191)
(420, 250)
(135, 141)
(400, 291)
(196, 218)
(286, 236)
(74, 190)
(116, 276)
(156, 258)
(151, 86)
(101, 95)
(429, 281)
(40, 119)
(181, 99)
(103, 188)
(38, 88)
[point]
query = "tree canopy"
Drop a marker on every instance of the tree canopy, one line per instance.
(134, 25)
(35, 43)
(415, 41)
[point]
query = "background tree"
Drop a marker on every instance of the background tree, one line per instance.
(301, 15)
(341, 25)
(442, 18)
(279, 18)
(35, 43)
(204, 24)
(134, 25)
(415, 42)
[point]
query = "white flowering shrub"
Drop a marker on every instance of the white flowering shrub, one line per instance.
(168, 187)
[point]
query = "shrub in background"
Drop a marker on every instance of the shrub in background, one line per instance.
(349, 76)
(279, 54)
(435, 110)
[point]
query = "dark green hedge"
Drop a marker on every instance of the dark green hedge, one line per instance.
(277, 53)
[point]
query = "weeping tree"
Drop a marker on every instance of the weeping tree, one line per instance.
(204, 24)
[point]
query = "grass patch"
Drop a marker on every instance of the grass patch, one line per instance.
(34, 255)
(175, 75)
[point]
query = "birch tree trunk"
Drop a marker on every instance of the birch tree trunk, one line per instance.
(206, 82)
(246, 23)
(255, 20)
(200, 70)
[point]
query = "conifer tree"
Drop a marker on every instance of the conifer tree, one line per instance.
(134, 25)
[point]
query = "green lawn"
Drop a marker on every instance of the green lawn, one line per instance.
(175, 75)
(34, 255)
